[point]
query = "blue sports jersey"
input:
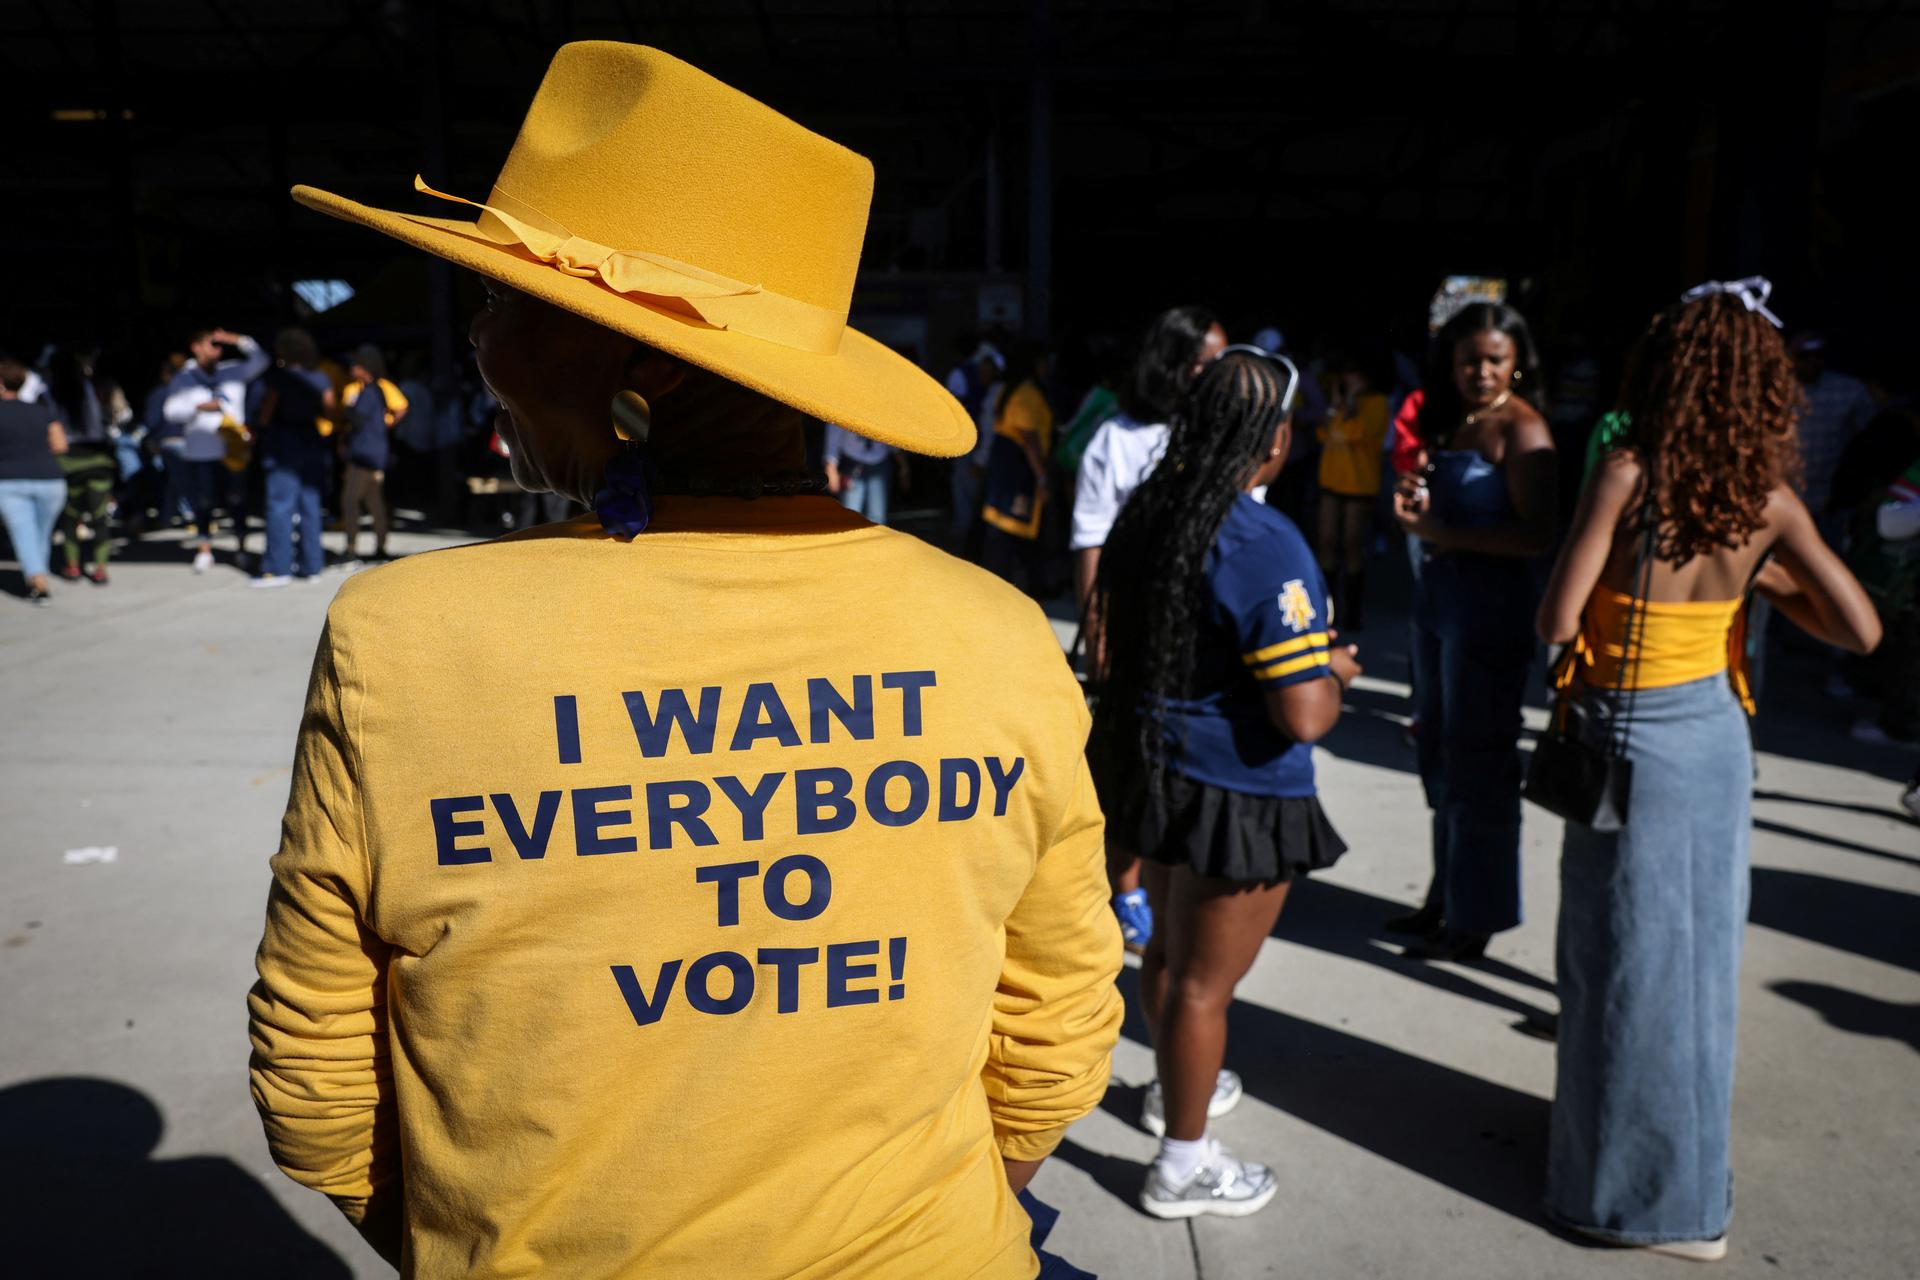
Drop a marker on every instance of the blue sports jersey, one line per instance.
(1265, 626)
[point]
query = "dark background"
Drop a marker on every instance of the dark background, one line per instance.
(1312, 165)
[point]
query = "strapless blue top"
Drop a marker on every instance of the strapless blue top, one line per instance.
(1466, 490)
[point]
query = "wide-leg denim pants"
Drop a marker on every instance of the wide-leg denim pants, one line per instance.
(1649, 958)
(1472, 653)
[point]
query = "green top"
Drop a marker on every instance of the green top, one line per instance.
(1608, 434)
(1099, 404)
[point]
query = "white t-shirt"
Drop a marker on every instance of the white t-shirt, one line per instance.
(1122, 454)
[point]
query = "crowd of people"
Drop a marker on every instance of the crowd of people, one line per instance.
(283, 440)
(1219, 607)
(1217, 655)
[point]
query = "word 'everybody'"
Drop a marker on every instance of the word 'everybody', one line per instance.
(610, 819)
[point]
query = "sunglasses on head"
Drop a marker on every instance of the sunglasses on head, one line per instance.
(1292, 387)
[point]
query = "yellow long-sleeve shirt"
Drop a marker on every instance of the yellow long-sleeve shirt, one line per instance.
(721, 903)
(1350, 463)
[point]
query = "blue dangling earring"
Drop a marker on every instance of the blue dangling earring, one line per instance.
(625, 500)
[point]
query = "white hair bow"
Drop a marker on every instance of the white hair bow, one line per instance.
(1752, 292)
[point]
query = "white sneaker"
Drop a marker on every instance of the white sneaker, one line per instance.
(203, 561)
(1221, 1185)
(1226, 1096)
(266, 580)
(1692, 1250)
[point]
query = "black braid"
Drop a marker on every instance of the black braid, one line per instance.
(1149, 601)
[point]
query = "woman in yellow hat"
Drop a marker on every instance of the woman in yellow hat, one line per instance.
(674, 900)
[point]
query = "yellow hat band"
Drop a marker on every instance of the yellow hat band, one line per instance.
(715, 299)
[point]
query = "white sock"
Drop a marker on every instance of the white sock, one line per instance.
(1179, 1159)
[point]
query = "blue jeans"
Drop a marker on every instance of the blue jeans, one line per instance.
(201, 484)
(1472, 654)
(1649, 962)
(30, 508)
(866, 492)
(293, 489)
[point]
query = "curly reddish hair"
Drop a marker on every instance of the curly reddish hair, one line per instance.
(1712, 400)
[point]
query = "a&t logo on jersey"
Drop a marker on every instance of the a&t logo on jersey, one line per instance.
(1296, 607)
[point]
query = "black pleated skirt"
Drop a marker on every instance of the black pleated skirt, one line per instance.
(1227, 835)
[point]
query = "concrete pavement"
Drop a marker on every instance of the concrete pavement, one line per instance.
(1404, 1113)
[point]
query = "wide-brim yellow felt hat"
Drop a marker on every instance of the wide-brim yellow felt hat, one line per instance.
(648, 197)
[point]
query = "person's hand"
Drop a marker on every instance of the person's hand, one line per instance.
(1413, 510)
(1346, 665)
(209, 406)
(1345, 662)
(835, 481)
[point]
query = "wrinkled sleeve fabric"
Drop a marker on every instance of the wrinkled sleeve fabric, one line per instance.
(1056, 1013)
(317, 1016)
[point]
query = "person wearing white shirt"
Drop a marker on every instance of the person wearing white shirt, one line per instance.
(1178, 344)
(211, 389)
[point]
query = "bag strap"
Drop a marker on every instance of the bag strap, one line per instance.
(1633, 638)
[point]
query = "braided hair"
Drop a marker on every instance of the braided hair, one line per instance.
(1149, 602)
(1711, 399)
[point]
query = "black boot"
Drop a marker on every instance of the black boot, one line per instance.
(1448, 944)
(1419, 923)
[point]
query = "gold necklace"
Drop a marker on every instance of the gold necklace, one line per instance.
(1498, 400)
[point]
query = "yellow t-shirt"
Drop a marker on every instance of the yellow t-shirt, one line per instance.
(1350, 461)
(1026, 415)
(719, 903)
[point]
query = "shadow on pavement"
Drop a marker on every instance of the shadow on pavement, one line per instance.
(1832, 842)
(1863, 1015)
(1860, 918)
(1479, 1138)
(1342, 922)
(86, 1198)
(1800, 719)
(1372, 730)
(1888, 810)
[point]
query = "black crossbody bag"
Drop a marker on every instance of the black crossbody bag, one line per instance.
(1580, 768)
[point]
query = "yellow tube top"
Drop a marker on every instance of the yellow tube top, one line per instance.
(1680, 641)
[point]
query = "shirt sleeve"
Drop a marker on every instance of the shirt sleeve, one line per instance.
(183, 400)
(317, 1016)
(1276, 603)
(252, 362)
(836, 444)
(1406, 438)
(1096, 500)
(1021, 418)
(1056, 1012)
